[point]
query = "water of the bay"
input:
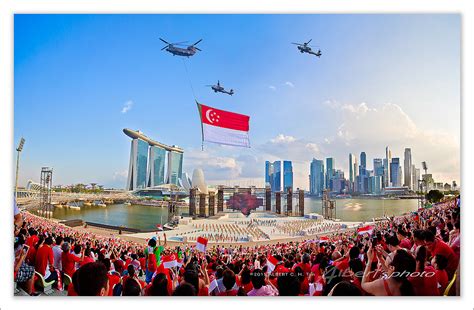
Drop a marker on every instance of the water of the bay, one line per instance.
(146, 218)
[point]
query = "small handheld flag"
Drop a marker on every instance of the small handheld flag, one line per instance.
(201, 244)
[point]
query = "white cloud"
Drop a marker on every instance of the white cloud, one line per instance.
(356, 128)
(370, 129)
(290, 84)
(127, 106)
(272, 87)
(120, 175)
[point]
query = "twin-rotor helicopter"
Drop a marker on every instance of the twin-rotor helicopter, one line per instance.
(179, 49)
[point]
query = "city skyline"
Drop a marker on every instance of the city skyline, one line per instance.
(95, 82)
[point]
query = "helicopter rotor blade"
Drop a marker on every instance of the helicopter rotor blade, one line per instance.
(309, 41)
(296, 43)
(166, 46)
(164, 41)
(197, 48)
(197, 42)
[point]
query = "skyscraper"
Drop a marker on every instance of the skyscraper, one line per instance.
(137, 170)
(149, 160)
(316, 177)
(351, 168)
(363, 160)
(378, 167)
(407, 171)
(273, 175)
(175, 164)
(363, 177)
(395, 175)
(287, 175)
(156, 171)
(387, 162)
(267, 173)
(356, 175)
(329, 171)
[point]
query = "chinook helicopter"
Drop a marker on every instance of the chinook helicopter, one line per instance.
(186, 51)
(305, 48)
(220, 89)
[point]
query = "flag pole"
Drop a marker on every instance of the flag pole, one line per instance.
(202, 128)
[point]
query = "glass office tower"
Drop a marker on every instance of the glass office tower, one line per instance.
(287, 175)
(175, 167)
(156, 171)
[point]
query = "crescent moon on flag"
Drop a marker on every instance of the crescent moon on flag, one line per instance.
(208, 117)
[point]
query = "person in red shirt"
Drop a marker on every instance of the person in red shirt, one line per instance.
(132, 274)
(44, 262)
(114, 277)
(69, 260)
(404, 241)
(440, 262)
(424, 278)
(436, 246)
(87, 257)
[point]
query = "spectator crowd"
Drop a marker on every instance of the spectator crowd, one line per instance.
(416, 254)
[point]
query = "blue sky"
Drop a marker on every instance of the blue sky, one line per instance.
(382, 80)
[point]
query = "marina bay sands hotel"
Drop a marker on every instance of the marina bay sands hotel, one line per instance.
(152, 163)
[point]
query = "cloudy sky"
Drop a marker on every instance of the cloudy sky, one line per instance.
(382, 80)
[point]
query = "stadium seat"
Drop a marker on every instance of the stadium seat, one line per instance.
(46, 286)
(66, 280)
(450, 285)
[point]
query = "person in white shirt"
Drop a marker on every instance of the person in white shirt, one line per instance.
(57, 252)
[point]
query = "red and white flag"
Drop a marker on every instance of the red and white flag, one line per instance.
(169, 261)
(159, 227)
(224, 127)
(271, 263)
(323, 239)
(201, 244)
(367, 229)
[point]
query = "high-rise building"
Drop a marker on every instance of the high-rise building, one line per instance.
(351, 168)
(175, 164)
(338, 182)
(329, 171)
(277, 176)
(268, 166)
(156, 171)
(356, 176)
(287, 175)
(378, 167)
(150, 160)
(316, 177)
(375, 182)
(395, 172)
(273, 175)
(387, 162)
(363, 176)
(407, 169)
(363, 160)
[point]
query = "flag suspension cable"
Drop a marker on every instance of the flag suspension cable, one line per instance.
(194, 95)
(189, 78)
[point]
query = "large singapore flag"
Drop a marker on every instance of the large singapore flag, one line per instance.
(224, 127)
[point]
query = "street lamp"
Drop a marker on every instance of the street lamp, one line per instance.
(18, 150)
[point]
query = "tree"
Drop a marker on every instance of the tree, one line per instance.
(434, 196)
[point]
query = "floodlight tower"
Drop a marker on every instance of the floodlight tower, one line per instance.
(18, 150)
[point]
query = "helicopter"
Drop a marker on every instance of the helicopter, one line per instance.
(220, 89)
(187, 51)
(305, 48)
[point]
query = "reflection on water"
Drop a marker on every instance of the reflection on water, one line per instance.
(364, 209)
(145, 217)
